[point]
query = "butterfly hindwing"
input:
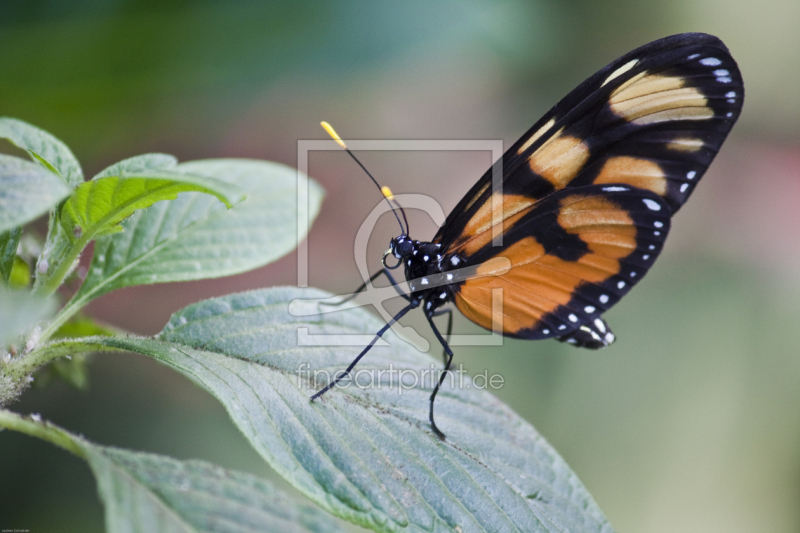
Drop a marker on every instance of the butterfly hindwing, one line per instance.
(653, 119)
(573, 255)
(593, 335)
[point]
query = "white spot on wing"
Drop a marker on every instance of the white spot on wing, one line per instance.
(651, 204)
(652, 247)
(729, 114)
(691, 174)
(424, 281)
(693, 56)
(599, 325)
(724, 79)
(730, 94)
(721, 72)
(604, 298)
(455, 260)
(449, 277)
(684, 187)
(546, 331)
(710, 62)
(621, 285)
(562, 327)
(589, 309)
(573, 318)
(614, 189)
(656, 233)
(658, 224)
(646, 257)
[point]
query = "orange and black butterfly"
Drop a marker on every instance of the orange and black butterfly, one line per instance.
(583, 202)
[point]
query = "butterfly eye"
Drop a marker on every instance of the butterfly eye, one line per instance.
(405, 248)
(402, 247)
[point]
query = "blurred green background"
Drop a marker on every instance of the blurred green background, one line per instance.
(689, 423)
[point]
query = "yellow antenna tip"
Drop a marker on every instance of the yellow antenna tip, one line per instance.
(387, 192)
(335, 136)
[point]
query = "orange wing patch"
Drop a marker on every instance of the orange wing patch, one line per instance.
(559, 160)
(474, 241)
(646, 99)
(633, 171)
(621, 70)
(535, 137)
(685, 144)
(538, 282)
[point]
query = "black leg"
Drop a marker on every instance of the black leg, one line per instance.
(359, 289)
(364, 286)
(405, 296)
(378, 335)
(449, 353)
(449, 313)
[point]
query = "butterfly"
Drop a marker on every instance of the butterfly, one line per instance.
(582, 206)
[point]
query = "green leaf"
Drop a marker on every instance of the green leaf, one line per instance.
(139, 163)
(368, 454)
(147, 493)
(9, 241)
(193, 238)
(20, 274)
(98, 206)
(26, 192)
(43, 148)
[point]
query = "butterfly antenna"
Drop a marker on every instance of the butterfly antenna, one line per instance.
(387, 194)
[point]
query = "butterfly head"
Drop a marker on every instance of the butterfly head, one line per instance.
(402, 247)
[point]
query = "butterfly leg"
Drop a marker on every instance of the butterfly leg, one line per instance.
(449, 313)
(449, 354)
(378, 335)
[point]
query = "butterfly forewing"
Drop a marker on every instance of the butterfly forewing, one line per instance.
(653, 119)
(573, 255)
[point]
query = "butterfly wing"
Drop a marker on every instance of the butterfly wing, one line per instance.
(573, 255)
(653, 119)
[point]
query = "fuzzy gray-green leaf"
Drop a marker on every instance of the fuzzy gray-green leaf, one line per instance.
(26, 192)
(139, 163)
(367, 453)
(194, 237)
(146, 492)
(44, 148)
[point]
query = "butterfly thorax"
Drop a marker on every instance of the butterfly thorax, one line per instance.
(421, 260)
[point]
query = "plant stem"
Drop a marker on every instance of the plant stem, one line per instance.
(53, 281)
(72, 307)
(19, 367)
(43, 430)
